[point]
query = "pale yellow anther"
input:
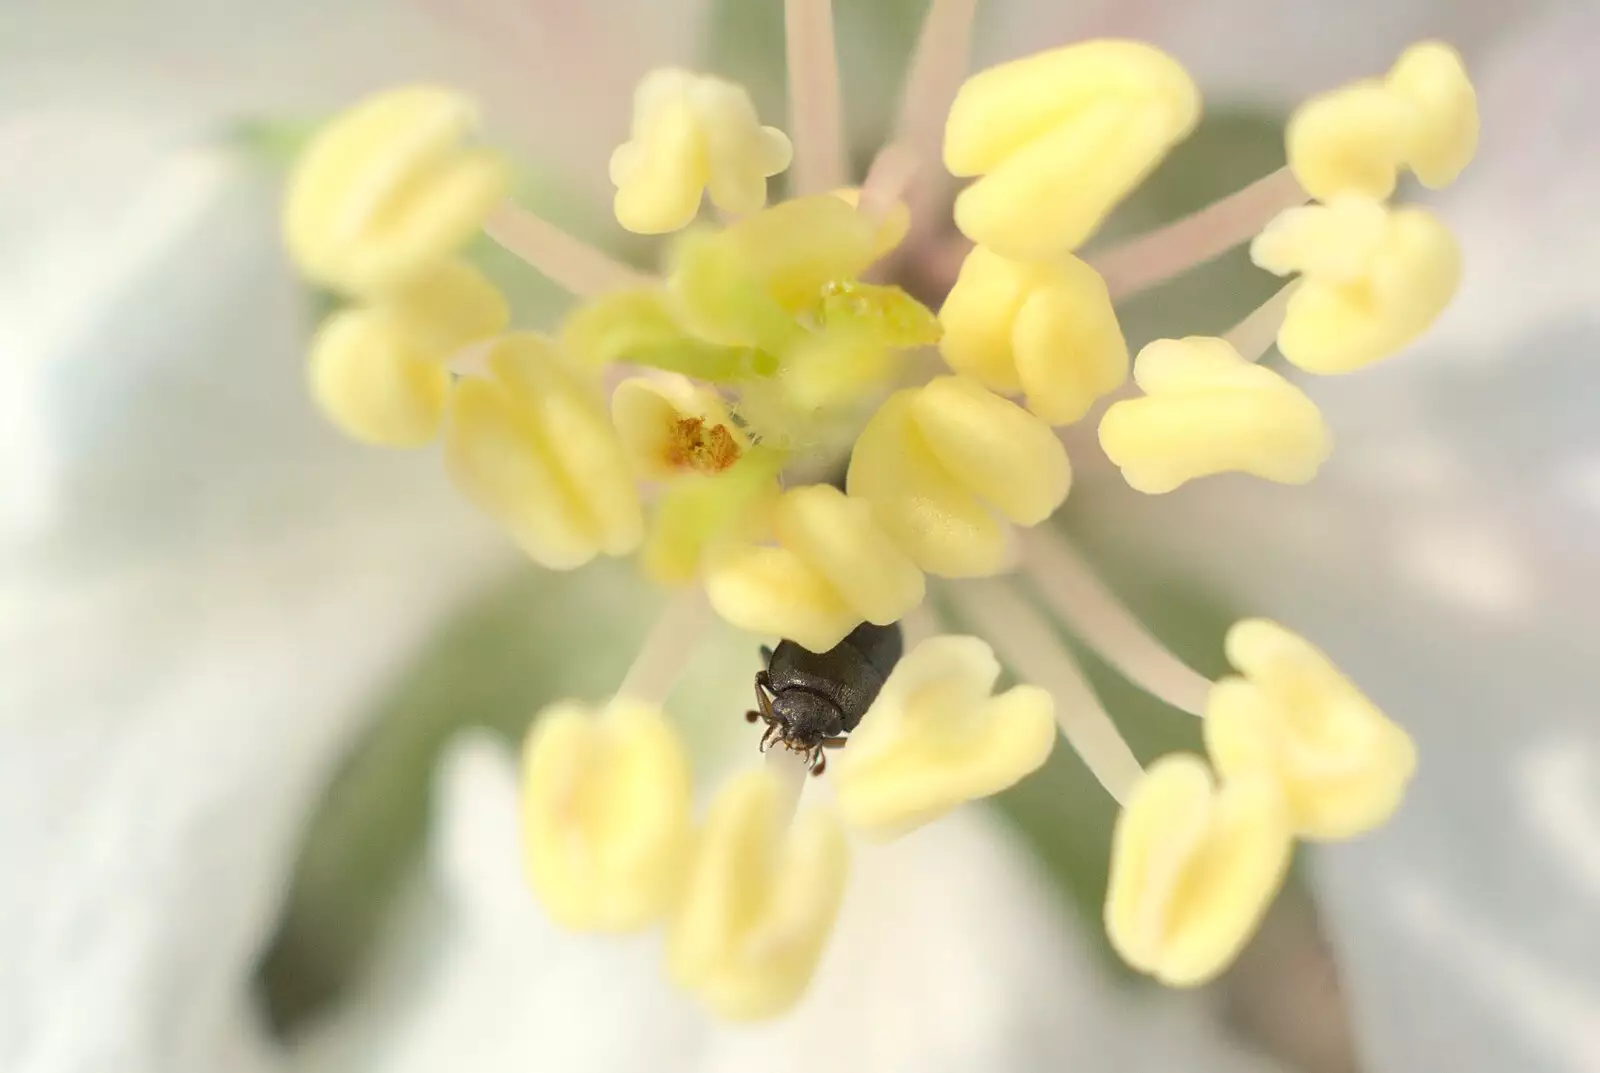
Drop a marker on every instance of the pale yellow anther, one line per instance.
(1349, 141)
(1046, 329)
(1444, 129)
(1292, 716)
(833, 567)
(692, 134)
(937, 737)
(449, 306)
(1373, 279)
(1060, 138)
(379, 372)
(669, 425)
(373, 384)
(1193, 868)
(994, 448)
(1206, 410)
(943, 464)
(606, 829)
(388, 189)
(531, 444)
(701, 511)
(1354, 140)
(773, 591)
(760, 901)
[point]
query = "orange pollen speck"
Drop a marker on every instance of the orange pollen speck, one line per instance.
(705, 450)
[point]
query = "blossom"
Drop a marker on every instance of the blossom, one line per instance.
(1360, 905)
(948, 478)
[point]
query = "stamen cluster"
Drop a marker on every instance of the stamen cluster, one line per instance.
(667, 415)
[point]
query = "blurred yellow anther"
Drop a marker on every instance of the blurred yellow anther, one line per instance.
(692, 134)
(637, 327)
(531, 444)
(1060, 138)
(940, 463)
(701, 511)
(670, 425)
(1292, 716)
(379, 373)
(447, 307)
(833, 567)
(936, 738)
(1045, 328)
(1353, 140)
(1374, 278)
(1206, 410)
(759, 903)
(1193, 868)
(372, 384)
(892, 229)
(605, 814)
(388, 189)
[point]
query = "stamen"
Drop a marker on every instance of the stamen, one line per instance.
(938, 67)
(942, 464)
(1068, 585)
(1026, 641)
(1253, 336)
(834, 565)
(816, 121)
(1206, 410)
(565, 260)
(939, 736)
(891, 175)
(666, 650)
(1155, 257)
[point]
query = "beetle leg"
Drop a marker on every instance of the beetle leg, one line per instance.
(834, 743)
(820, 763)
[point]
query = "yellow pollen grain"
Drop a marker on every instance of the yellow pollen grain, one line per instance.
(695, 446)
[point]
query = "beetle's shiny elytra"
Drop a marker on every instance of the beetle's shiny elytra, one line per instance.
(810, 700)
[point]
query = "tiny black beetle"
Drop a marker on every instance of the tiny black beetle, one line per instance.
(816, 699)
